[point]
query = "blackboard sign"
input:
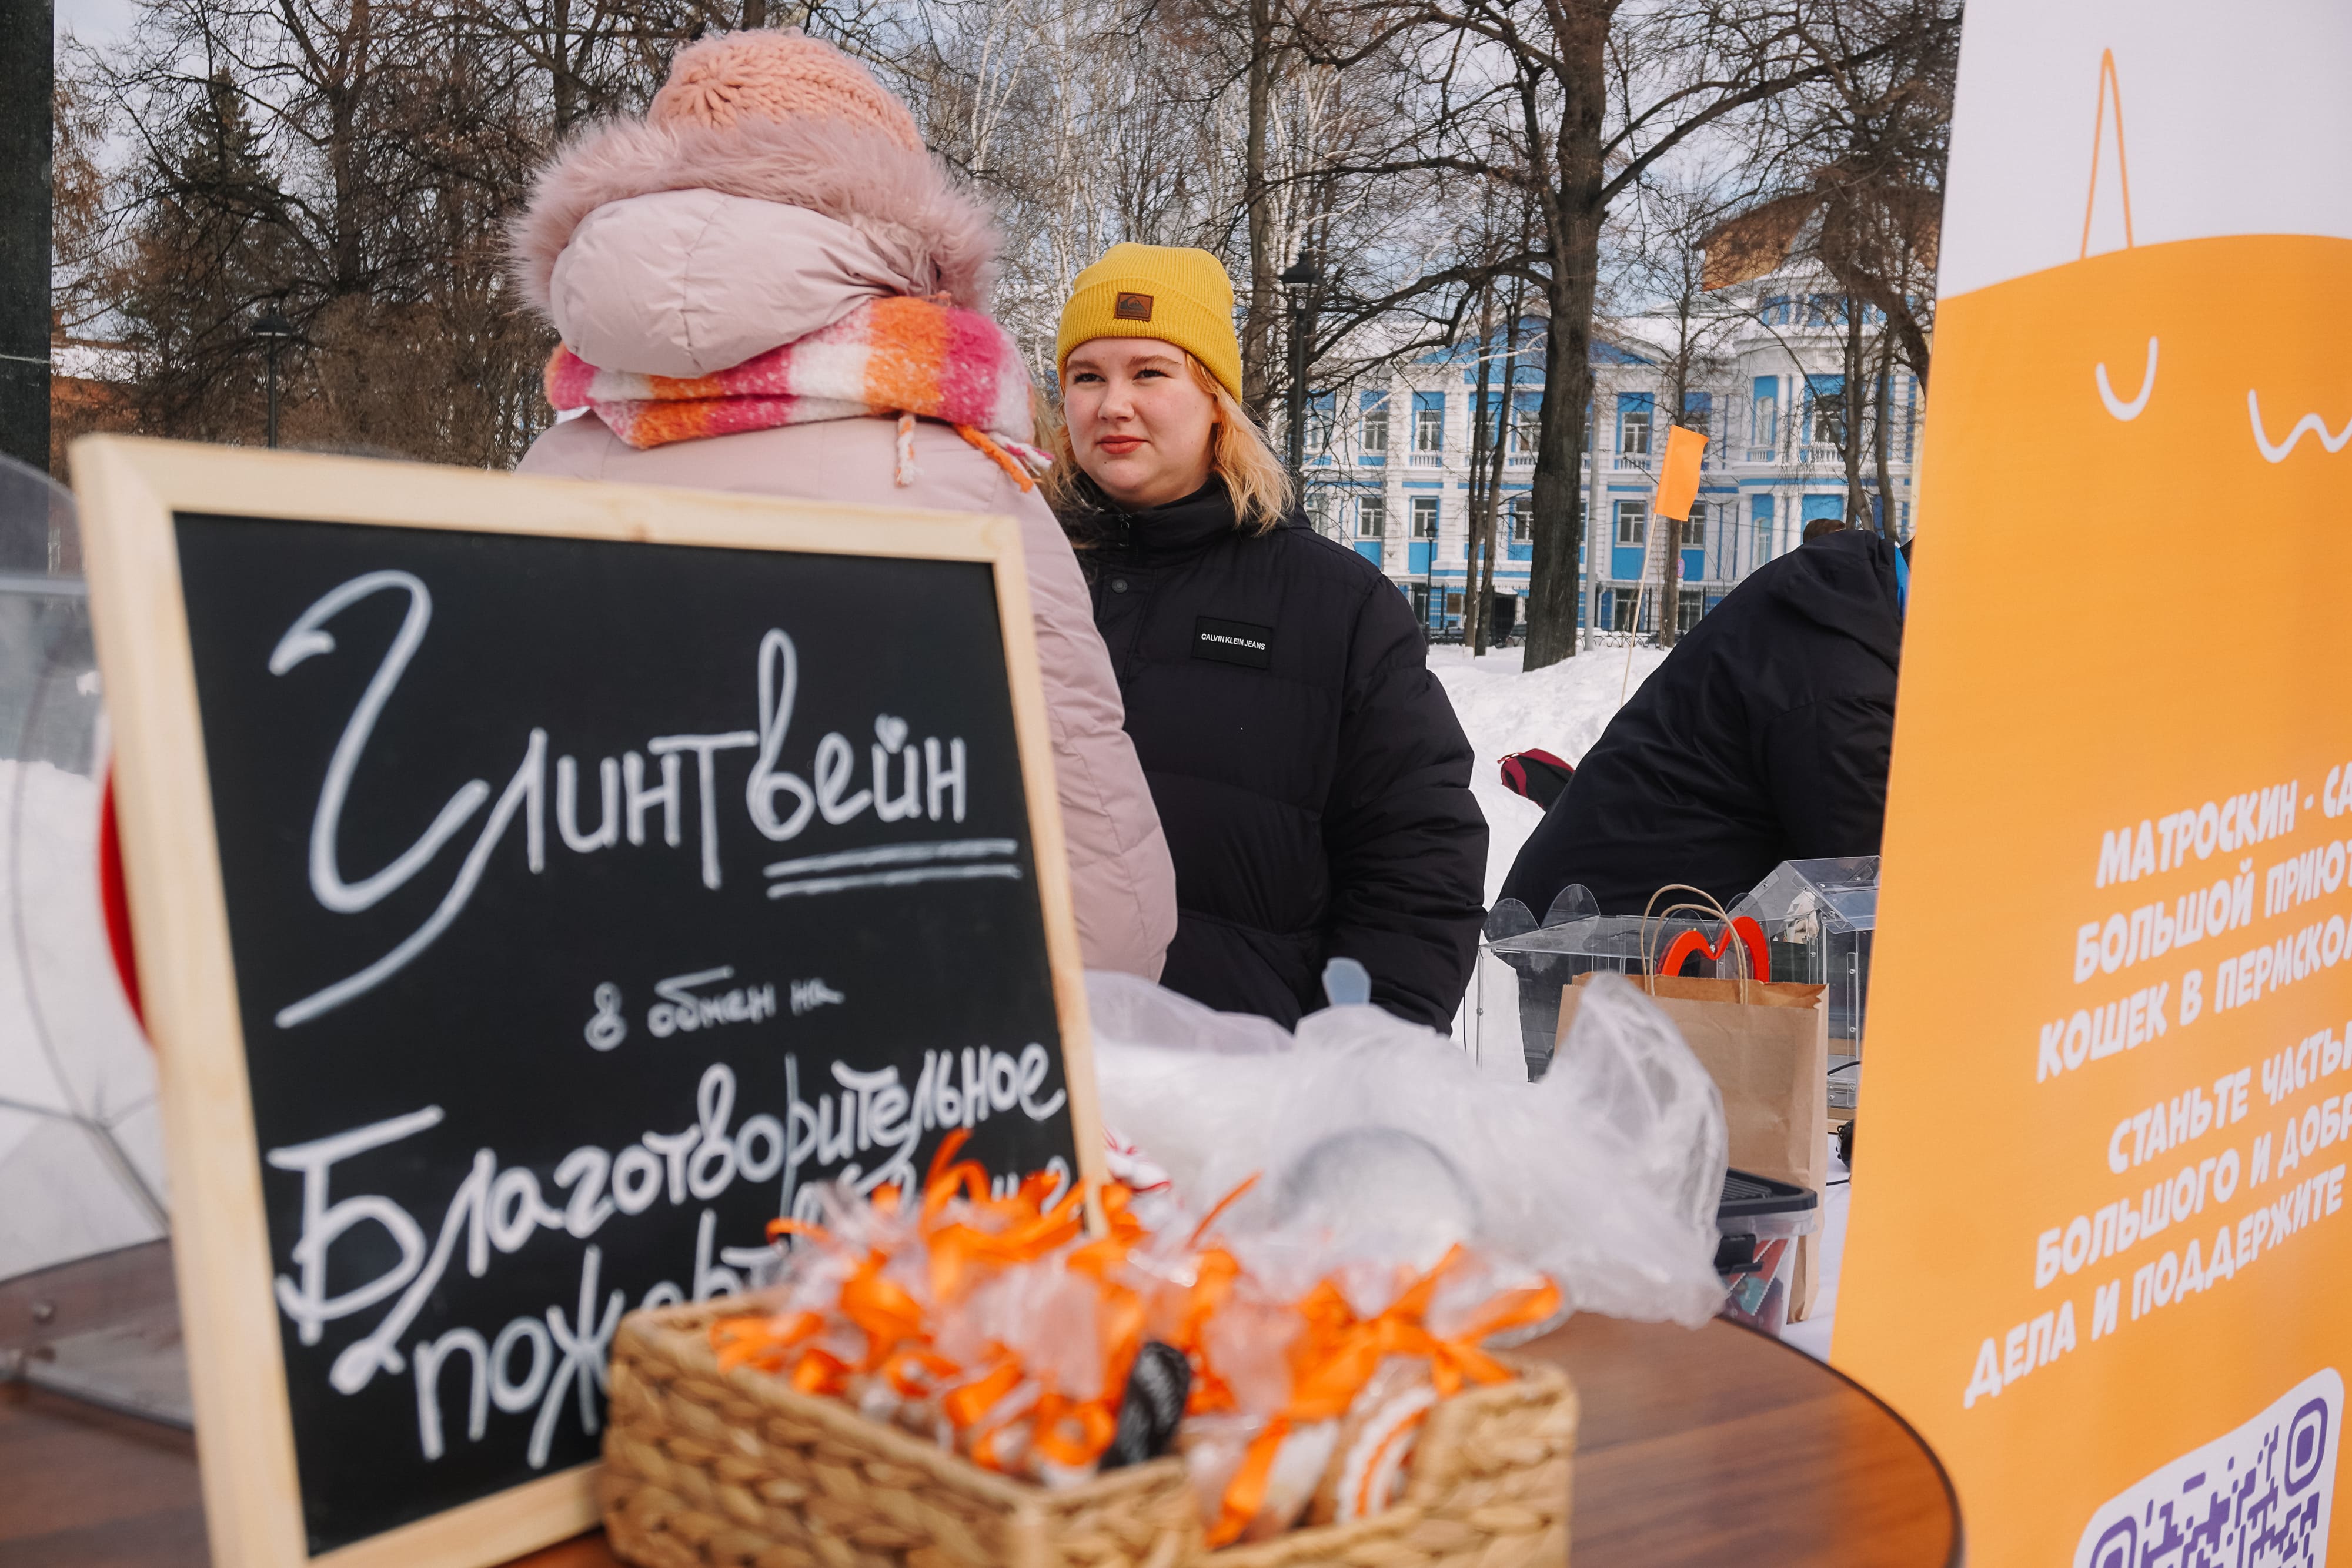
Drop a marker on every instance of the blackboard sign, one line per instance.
(554, 885)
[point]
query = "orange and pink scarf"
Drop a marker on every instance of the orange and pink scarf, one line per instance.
(896, 356)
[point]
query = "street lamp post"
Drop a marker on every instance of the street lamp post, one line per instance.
(1300, 278)
(275, 331)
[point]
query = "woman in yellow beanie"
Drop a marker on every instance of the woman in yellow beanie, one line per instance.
(1310, 773)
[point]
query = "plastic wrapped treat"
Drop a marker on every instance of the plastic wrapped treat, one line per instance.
(1605, 1175)
(1378, 1191)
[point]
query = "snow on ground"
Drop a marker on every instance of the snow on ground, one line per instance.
(1562, 709)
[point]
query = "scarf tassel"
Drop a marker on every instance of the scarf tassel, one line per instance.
(904, 473)
(1003, 459)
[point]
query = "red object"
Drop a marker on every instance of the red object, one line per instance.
(1538, 775)
(114, 899)
(1750, 934)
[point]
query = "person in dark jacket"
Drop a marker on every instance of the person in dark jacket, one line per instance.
(1763, 738)
(1310, 776)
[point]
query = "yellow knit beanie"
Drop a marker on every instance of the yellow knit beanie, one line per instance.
(1173, 293)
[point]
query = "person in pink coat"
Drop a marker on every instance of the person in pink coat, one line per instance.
(767, 284)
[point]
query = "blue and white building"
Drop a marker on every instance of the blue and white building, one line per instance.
(1387, 466)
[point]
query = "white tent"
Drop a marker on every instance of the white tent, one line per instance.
(81, 1169)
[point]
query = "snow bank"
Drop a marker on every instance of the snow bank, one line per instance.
(1562, 709)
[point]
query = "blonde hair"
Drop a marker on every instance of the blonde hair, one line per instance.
(1238, 454)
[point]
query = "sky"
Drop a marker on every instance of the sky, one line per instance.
(95, 21)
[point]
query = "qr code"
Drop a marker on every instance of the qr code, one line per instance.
(2254, 1497)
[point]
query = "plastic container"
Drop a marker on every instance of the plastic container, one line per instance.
(1760, 1222)
(1821, 917)
(1514, 1006)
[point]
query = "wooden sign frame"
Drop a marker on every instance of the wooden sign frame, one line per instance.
(129, 491)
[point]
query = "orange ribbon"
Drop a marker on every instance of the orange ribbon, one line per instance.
(1214, 1273)
(761, 1342)
(820, 1372)
(1458, 1359)
(1336, 1354)
(1246, 1492)
(897, 1328)
(964, 1405)
(882, 1309)
(1015, 1229)
(1097, 1421)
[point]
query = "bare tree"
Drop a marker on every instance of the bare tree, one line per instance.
(1867, 145)
(1574, 101)
(1684, 322)
(351, 163)
(355, 161)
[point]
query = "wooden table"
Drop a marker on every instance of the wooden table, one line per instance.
(1723, 1447)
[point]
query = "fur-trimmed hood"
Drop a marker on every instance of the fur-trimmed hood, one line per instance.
(931, 236)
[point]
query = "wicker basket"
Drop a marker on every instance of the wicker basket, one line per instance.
(710, 1470)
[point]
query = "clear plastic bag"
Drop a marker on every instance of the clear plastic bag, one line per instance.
(1387, 1138)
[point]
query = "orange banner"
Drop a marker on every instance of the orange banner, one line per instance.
(1678, 473)
(2098, 1253)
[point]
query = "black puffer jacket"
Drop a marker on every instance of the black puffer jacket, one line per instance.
(1309, 772)
(1763, 738)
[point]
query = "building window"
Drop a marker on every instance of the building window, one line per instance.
(1759, 510)
(1428, 427)
(1371, 516)
(1522, 520)
(1425, 516)
(1527, 426)
(1694, 529)
(1633, 430)
(1633, 523)
(1319, 511)
(1699, 412)
(1764, 418)
(1826, 421)
(1319, 422)
(1690, 603)
(1829, 423)
(1375, 434)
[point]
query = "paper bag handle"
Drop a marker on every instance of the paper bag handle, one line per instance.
(1703, 903)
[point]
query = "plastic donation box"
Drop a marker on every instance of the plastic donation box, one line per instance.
(1514, 1008)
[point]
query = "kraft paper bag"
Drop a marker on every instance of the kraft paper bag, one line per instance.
(1767, 1047)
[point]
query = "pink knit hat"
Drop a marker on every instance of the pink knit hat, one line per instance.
(777, 76)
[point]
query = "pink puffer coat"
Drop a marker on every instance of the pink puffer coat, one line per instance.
(681, 251)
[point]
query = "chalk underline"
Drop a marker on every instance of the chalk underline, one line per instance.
(898, 854)
(906, 878)
(914, 864)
